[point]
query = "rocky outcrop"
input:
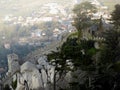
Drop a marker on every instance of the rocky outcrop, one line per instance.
(29, 74)
(13, 64)
(38, 76)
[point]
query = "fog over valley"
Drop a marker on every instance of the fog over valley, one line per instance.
(24, 7)
(59, 44)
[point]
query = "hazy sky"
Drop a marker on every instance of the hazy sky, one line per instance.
(24, 6)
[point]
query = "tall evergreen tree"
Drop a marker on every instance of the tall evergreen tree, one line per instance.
(116, 16)
(82, 19)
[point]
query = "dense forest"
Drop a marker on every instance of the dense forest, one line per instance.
(92, 68)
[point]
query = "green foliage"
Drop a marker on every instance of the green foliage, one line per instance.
(83, 13)
(101, 73)
(58, 60)
(101, 66)
(111, 49)
(84, 7)
(116, 16)
(73, 35)
(14, 84)
(116, 66)
(78, 54)
(108, 68)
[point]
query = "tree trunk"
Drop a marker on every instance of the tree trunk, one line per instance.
(79, 36)
(54, 82)
(89, 81)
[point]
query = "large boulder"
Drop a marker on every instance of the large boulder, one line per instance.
(31, 75)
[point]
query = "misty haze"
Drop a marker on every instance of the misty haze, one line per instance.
(59, 45)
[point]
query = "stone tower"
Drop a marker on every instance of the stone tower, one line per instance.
(13, 64)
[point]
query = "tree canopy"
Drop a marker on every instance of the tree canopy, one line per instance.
(83, 13)
(101, 66)
(116, 16)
